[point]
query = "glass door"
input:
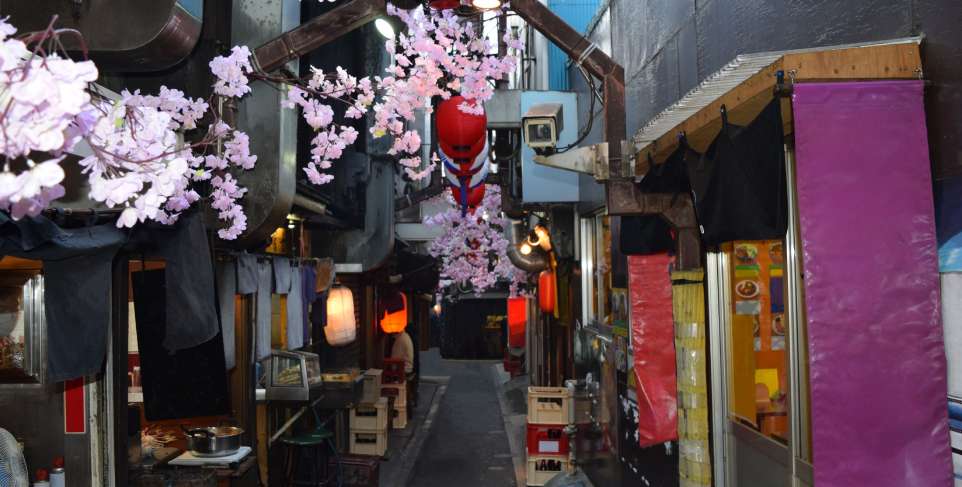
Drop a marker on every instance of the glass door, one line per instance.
(759, 360)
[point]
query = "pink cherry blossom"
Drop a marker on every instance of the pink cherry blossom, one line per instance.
(472, 248)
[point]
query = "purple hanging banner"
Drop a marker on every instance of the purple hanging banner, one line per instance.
(877, 359)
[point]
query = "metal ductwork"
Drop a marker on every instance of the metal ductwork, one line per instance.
(120, 35)
(371, 246)
(536, 261)
(271, 185)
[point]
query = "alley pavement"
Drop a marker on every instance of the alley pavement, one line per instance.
(467, 445)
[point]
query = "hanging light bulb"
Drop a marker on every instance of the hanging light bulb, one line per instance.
(384, 28)
(486, 4)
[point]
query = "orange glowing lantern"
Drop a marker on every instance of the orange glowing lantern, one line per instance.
(397, 321)
(547, 294)
(517, 321)
(341, 327)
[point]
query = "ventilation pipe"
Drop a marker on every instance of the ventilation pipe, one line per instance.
(536, 261)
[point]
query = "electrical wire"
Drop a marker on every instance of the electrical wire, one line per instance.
(591, 112)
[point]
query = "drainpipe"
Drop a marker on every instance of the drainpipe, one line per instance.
(536, 261)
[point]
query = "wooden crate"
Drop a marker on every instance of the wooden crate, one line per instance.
(372, 386)
(370, 417)
(548, 405)
(372, 443)
(541, 469)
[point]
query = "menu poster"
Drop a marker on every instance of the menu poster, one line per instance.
(758, 319)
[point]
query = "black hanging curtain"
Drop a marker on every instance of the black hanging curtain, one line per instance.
(77, 265)
(739, 183)
(652, 234)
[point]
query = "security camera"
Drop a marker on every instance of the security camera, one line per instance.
(542, 125)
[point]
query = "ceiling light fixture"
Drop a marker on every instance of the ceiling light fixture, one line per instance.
(486, 4)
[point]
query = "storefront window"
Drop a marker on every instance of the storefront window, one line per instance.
(759, 394)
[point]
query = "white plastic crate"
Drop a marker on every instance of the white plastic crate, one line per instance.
(541, 469)
(548, 405)
(370, 417)
(372, 386)
(372, 443)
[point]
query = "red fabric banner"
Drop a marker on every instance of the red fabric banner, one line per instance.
(653, 345)
(74, 407)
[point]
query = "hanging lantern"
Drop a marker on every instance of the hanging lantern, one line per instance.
(444, 4)
(397, 321)
(341, 327)
(461, 135)
(546, 291)
(517, 321)
(475, 196)
(406, 4)
(463, 149)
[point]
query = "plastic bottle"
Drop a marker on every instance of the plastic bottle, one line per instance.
(57, 473)
(41, 478)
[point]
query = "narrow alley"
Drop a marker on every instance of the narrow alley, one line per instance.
(467, 445)
(480, 243)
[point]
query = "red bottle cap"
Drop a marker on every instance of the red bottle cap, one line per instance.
(42, 474)
(58, 462)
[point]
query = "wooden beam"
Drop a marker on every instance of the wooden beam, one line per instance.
(745, 101)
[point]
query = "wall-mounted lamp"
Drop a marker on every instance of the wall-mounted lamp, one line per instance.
(525, 248)
(540, 238)
(292, 220)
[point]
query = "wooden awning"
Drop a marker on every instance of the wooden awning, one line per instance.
(747, 84)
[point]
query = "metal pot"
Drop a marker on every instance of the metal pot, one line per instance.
(212, 441)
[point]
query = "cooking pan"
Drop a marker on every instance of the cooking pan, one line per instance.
(213, 441)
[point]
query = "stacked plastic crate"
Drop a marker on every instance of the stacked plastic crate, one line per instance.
(549, 412)
(369, 420)
(395, 388)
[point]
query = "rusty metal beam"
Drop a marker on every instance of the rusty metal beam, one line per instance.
(622, 195)
(596, 62)
(678, 210)
(319, 31)
(599, 64)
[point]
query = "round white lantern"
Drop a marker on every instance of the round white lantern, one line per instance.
(341, 327)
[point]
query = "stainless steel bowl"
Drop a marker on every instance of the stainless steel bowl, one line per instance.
(217, 441)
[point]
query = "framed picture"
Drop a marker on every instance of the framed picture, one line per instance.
(22, 328)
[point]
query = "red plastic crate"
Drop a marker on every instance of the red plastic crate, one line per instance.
(393, 371)
(547, 440)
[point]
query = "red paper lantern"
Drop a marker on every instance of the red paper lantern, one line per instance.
(475, 196)
(397, 321)
(547, 293)
(445, 4)
(517, 321)
(461, 135)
